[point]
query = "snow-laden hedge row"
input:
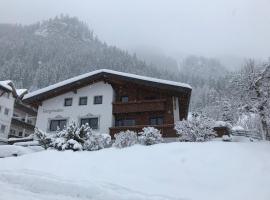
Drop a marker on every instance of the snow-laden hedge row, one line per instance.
(81, 138)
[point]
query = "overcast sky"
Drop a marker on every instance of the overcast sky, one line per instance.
(205, 27)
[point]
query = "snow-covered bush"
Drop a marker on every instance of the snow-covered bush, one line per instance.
(125, 139)
(96, 141)
(196, 129)
(226, 138)
(43, 138)
(74, 138)
(150, 136)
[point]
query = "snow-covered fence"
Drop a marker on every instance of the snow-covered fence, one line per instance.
(247, 133)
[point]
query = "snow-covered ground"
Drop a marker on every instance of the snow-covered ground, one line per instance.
(198, 171)
(12, 150)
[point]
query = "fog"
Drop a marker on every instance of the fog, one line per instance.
(215, 28)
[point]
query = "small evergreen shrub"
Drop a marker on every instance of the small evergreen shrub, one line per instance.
(150, 136)
(125, 139)
(43, 138)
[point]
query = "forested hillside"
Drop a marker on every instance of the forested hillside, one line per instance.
(41, 54)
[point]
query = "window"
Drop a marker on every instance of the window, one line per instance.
(68, 102)
(55, 124)
(83, 101)
(124, 99)
(12, 132)
(6, 111)
(92, 122)
(3, 128)
(150, 97)
(20, 134)
(97, 99)
(156, 121)
(125, 122)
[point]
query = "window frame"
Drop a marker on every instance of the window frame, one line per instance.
(83, 98)
(67, 99)
(123, 122)
(59, 120)
(157, 122)
(3, 128)
(6, 111)
(124, 96)
(95, 98)
(89, 118)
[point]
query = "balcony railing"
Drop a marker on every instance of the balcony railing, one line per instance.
(22, 124)
(139, 106)
(167, 130)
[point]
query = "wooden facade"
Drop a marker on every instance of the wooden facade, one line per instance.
(145, 103)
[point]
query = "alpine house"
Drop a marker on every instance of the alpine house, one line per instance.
(111, 101)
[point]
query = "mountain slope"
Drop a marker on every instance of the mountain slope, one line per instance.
(41, 54)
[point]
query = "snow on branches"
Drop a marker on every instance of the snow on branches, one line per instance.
(197, 129)
(125, 139)
(150, 136)
(74, 138)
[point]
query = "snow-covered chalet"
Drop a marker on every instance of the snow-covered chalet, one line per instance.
(111, 101)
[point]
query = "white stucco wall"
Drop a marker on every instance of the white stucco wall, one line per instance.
(54, 108)
(6, 101)
(176, 109)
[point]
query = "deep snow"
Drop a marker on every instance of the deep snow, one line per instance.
(199, 171)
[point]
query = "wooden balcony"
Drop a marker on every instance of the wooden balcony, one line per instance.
(139, 106)
(167, 130)
(22, 124)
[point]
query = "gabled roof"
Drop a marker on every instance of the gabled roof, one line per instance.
(6, 85)
(106, 73)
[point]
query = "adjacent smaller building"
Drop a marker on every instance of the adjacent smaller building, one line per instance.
(16, 118)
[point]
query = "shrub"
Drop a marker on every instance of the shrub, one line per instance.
(150, 136)
(226, 138)
(75, 138)
(72, 137)
(125, 139)
(43, 138)
(96, 141)
(197, 129)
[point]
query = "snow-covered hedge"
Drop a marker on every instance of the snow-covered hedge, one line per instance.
(125, 139)
(74, 138)
(196, 129)
(150, 136)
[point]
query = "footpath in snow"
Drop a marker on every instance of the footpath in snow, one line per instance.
(195, 171)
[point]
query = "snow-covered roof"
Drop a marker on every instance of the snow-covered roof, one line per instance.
(6, 84)
(21, 92)
(78, 78)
